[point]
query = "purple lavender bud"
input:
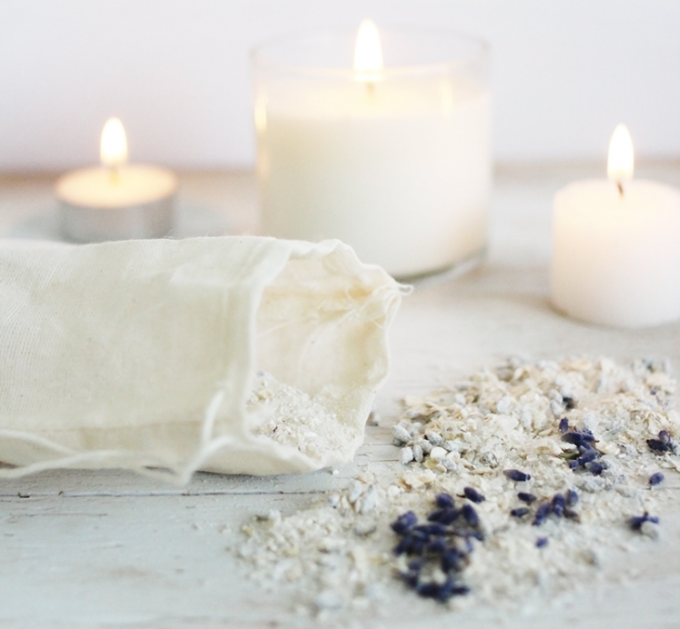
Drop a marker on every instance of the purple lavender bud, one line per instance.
(557, 505)
(595, 468)
(526, 497)
(520, 512)
(446, 590)
(470, 515)
(443, 516)
(445, 501)
(452, 560)
(436, 547)
(467, 533)
(404, 522)
(416, 565)
(664, 436)
(571, 498)
(658, 446)
(574, 437)
(417, 545)
(588, 455)
(541, 514)
(563, 425)
(541, 542)
(473, 495)
(410, 578)
(516, 475)
(588, 436)
(428, 590)
(449, 516)
(477, 534)
(404, 546)
(417, 532)
(450, 589)
(435, 528)
(656, 478)
(570, 514)
(436, 515)
(636, 522)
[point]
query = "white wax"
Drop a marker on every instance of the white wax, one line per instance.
(400, 171)
(616, 259)
(100, 187)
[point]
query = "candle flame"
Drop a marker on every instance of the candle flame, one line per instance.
(368, 58)
(113, 151)
(260, 115)
(620, 163)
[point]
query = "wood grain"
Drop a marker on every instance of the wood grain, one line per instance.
(110, 549)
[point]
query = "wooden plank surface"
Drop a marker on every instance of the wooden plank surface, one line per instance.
(110, 549)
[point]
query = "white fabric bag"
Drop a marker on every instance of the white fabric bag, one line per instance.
(144, 354)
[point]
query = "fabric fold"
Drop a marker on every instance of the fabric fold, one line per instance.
(242, 355)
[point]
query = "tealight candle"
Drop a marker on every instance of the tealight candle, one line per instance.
(116, 201)
(616, 246)
(391, 155)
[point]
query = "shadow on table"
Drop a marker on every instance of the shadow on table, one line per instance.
(42, 226)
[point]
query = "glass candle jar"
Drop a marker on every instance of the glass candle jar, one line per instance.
(392, 157)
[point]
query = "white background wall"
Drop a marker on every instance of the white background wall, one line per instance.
(176, 72)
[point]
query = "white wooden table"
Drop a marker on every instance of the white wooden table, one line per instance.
(109, 549)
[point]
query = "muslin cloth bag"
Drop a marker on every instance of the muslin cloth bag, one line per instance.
(144, 354)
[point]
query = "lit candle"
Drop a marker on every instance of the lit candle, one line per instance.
(116, 200)
(392, 159)
(616, 246)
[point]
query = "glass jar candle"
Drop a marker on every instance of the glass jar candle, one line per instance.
(380, 139)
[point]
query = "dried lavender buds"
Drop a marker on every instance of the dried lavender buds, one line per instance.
(526, 497)
(655, 479)
(437, 553)
(637, 522)
(663, 443)
(517, 476)
(560, 449)
(473, 495)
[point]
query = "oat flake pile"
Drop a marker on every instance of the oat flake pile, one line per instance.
(476, 442)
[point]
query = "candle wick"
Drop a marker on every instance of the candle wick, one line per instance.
(619, 185)
(114, 172)
(370, 88)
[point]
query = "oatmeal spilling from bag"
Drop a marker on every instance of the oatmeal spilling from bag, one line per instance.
(143, 355)
(515, 482)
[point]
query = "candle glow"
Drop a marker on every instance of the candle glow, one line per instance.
(615, 256)
(368, 58)
(620, 162)
(116, 200)
(373, 155)
(113, 148)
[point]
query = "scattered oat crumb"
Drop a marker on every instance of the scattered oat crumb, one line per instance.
(521, 416)
(293, 418)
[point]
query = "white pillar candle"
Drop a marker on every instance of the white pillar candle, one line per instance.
(116, 200)
(616, 247)
(393, 160)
